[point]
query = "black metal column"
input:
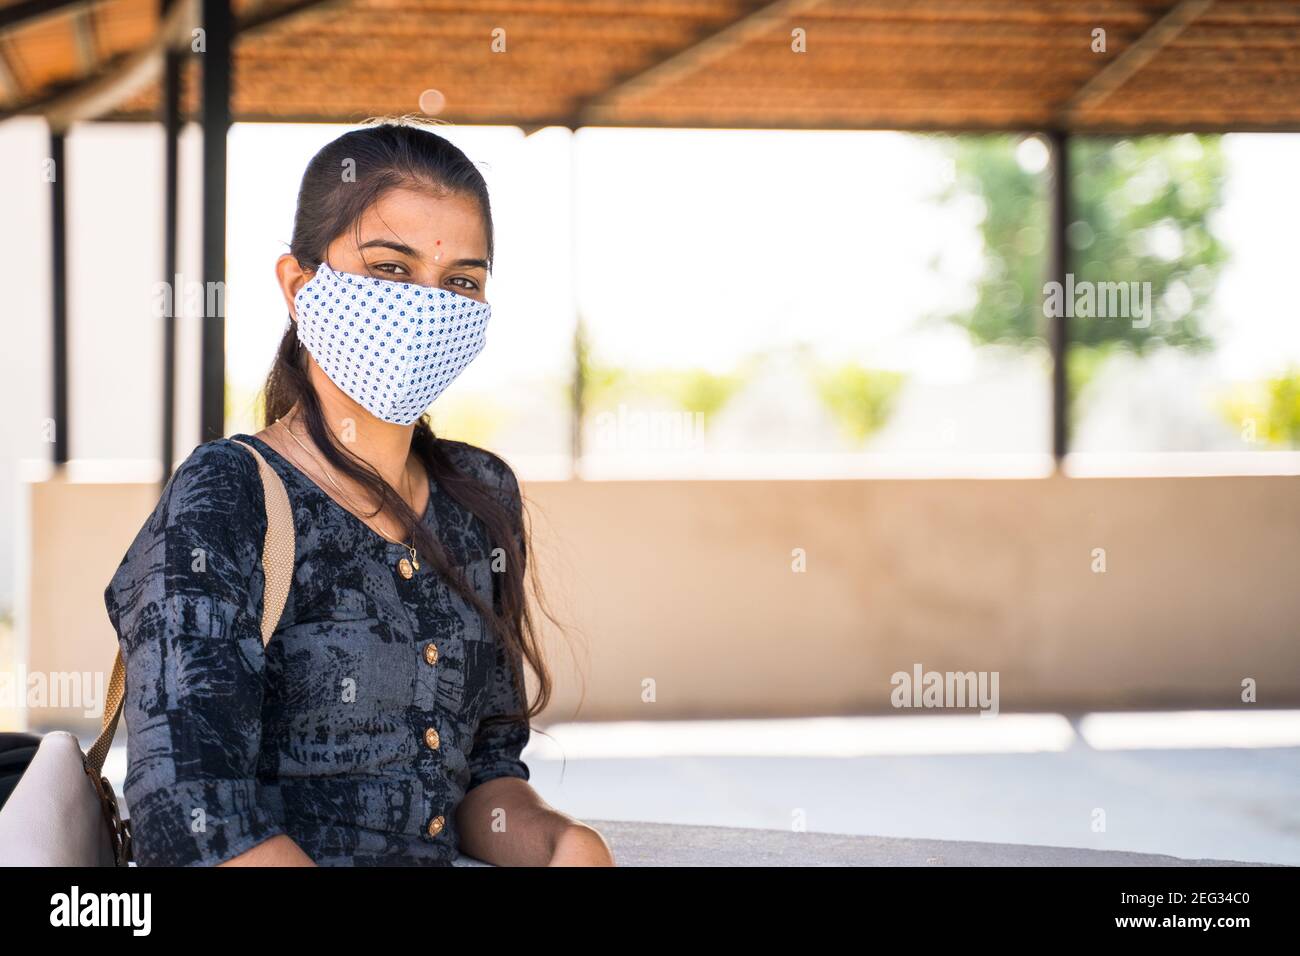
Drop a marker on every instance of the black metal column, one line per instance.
(216, 65)
(171, 138)
(59, 294)
(1058, 267)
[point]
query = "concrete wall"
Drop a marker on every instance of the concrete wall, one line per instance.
(690, 584)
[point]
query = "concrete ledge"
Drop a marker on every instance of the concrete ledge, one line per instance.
(666, 844)
(952, 575)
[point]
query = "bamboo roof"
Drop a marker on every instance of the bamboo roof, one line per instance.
(1203, 65)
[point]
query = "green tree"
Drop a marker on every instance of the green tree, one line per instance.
(1008, 300)
(861, 399)
(1140, 212)
(693, 390)
(1269, 411)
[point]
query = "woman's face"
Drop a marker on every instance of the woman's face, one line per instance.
(408, 235)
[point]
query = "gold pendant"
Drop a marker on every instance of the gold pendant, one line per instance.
(404, 568)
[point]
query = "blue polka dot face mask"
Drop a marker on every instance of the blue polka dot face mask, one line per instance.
(392, 346)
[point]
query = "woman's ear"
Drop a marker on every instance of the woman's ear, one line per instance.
(291, 276)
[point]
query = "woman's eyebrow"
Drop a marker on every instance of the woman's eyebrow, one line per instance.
(401, 247)
(406, 250)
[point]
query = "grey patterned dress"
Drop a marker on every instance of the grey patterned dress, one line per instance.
(358, 731)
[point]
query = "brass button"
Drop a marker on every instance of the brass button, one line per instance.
(431, 738)
(404, 567)
(431, 653)
(435, 826)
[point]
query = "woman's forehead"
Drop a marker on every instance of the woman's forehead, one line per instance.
(422, 219)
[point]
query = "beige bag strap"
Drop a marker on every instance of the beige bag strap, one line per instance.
(277, 566)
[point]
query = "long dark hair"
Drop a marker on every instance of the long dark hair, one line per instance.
(395, 152)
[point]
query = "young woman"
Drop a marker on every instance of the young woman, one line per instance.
(383, 722)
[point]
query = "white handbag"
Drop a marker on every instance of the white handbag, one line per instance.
(63, 811)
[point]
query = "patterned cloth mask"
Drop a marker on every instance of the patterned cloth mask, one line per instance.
(392, 346)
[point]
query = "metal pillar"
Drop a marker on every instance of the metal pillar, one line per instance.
(1058, 267)
(59, 294)
(171, 184)
(216, 65)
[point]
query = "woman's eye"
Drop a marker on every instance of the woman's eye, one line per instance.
(468, 283)
(390, 268)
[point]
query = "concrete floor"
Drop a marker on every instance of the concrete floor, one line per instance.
(1226, 803)
(1231, 803)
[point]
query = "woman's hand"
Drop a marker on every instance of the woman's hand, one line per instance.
(279, 850)
(580, 845)
(506, 823)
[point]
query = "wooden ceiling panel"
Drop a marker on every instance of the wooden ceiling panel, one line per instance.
(125, 25)
(43, 54)
(923, 64)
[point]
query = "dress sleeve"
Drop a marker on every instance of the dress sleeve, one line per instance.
(186, 603)
(498, 745)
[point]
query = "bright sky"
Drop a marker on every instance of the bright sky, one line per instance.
(698, 246)
(695, 248)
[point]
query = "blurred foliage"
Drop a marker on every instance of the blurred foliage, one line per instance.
(244, 408)
(259, 407)
(1013, 228)
(1141, 214)
(697, 390)
(1272, 407)
(861, 399)
(1082, 363)
(691, 389)
(594, 381)
(469, 417)
(1140, 211)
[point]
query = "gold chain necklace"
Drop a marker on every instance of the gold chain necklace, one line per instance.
(405, 567)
